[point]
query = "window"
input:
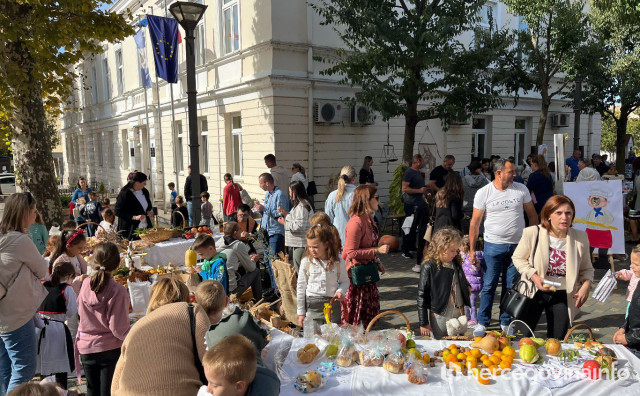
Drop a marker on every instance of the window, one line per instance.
(111, 152)
(94, 85)
(179, 147)
(98, 143)
(519, 140)
(199, 45)
(231, 24)
(125, 148)
(523, 37)
(478, 137)
(204, 145)
(236, 146)
(77, 150)
(70, 151)
(107, 80)
(119, 72)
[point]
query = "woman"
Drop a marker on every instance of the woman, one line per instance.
(167, 368)
(231, 198)
(471, 184)
(487, 169)
(133, 206)
(296, 222)
(362, 303)
(555, 252)
(540, 183)
(21, 292)
(449, 203)
(339, 201)
(39, 234)
(634, 213)
(80, 197)
(526, 169)
(366, 173)
(299, 175)
(587, 173)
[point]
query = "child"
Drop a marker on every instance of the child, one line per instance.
(69, 225)
(474, 274)
(69, 249)
(629, 334)
(322, 276)
(176, 219)
(55, 352)
(106, 203)
(173, 195)
(241, 266)
(103, 305)
(52, 243)
(91, 212)
(215, 265)
(231, 370)
(39, 234)
(443, 291)
(109, 217)
(206, 209)
(323, 218)
(629, 275)
(72, 206)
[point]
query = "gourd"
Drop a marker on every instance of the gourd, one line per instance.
(190, 258)
(489, 343)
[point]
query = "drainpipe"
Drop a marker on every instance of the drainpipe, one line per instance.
(311, 145)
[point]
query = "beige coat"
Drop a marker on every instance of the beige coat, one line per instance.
(579, 267)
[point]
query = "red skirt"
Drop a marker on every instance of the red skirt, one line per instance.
(360, 304)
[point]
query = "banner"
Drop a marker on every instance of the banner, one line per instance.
(142, 57)
(164, 39)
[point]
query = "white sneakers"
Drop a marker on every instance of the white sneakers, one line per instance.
(416, 268)
(479, 331)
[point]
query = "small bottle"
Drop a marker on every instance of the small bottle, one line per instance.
(308, 326)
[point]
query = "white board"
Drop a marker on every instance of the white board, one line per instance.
(599, 212)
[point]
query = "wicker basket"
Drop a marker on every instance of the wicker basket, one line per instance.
(157, 235)
(86, 223)
(385, 313)
(179, 233)
(566, 338)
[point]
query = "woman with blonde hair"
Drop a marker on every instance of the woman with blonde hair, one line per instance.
(362, 302)
(167, 291)
(339, 201)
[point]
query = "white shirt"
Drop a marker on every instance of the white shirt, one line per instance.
(143, 201)
(315, 281)
(504, 211)
(298, 176)
(588, 174)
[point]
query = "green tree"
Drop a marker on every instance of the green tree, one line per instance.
(552, 39)
(609, 134)
(406, 58)
(40, 41)
(613, 79)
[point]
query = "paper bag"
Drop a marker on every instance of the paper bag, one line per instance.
(605, 287)
(284, 273)
(191, 280)
(139, 294)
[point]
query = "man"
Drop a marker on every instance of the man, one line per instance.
(503, 203)
(412, 190)
(247, 226)
(241, 266)
(572, 162)
(471, 183)
(281, 176)
(273, 199)
(188, 193)
(440, 172)
(599, 165)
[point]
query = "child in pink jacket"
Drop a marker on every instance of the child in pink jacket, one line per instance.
(630, 276)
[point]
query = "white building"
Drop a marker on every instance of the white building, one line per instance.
(258, 93)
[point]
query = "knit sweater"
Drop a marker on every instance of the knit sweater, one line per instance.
(157, 355)
(296, 226)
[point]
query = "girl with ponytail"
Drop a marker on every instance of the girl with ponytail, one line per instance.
(103, 305)
(69, 249)
(55, 345)
(339, 201)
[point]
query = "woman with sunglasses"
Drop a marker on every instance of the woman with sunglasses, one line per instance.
(22, 269)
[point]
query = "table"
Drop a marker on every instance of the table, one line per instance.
(375, 381)
(171, 251)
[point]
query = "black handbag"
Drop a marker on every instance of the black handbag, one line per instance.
(513, 302)
(365, 274)
(311, 188)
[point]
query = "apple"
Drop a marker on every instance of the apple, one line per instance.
(591, 369)
(403, 340)
(504, 341)
(194, 230)
(526, 341)
(553, 346)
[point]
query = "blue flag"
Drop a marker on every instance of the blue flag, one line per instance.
(142, 56)
(164, 39)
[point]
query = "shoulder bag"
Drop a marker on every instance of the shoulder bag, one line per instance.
(365, 274)
(196, 357)
(429, 233)
(517, 304)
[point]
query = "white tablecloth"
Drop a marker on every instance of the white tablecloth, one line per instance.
(171, 251)
(375, 381)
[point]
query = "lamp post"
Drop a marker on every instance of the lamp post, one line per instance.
(188, 15)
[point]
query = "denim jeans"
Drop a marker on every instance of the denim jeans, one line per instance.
(190, 210)
(17, 357)
(276, 245)
(497, 257)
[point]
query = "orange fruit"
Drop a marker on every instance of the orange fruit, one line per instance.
(450, 359)
(495, 370)
(498, 354)
(426, 358)
(509, 351)
(471, 364)
(505, 365)
(445, 354)
(476, 353)
(457, 366)
(461, 356)
(472, 359)
(483, 376)
(495, 360)
(194, 230)
(507, 359)
(454, 351)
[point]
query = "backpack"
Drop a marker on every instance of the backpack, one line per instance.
(216, 269)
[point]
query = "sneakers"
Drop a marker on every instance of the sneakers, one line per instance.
(416, 268)
(407, 255)
(479, 331)
(472, 323)
(507, 330)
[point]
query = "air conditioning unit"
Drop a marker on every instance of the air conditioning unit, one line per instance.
(362, 115)
(560, 120)
(328, 113)
(461, 119)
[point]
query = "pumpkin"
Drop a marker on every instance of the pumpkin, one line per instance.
(190, 258)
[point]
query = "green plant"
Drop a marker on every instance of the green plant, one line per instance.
(395, 191)
(101, 189)
(64, 200)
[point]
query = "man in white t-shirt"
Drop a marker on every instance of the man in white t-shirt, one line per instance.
(504, 203)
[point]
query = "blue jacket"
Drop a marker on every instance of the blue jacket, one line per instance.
(79, 194)
(273, 200)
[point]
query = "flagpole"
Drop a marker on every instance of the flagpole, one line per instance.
(148, 128)
(174, 138)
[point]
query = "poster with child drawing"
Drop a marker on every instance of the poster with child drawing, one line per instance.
(599, 213)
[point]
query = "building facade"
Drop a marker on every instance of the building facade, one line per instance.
(260, 91)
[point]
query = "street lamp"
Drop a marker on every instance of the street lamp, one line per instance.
(188, 15)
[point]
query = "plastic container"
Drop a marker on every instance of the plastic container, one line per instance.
(308, 326)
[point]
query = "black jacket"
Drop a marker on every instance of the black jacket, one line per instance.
(632, 323)
(179, 221)
(127, 206)
(451, 216)
(187, 187)
(434, 289)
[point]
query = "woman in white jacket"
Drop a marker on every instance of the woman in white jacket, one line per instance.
(296, 222)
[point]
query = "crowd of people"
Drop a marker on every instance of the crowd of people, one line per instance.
(487, 226)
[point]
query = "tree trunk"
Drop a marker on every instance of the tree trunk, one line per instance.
(410, 122)
(621, 132)
(544, 112)
(31, 141)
